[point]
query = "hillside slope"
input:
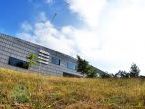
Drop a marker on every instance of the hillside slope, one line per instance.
(33, 91)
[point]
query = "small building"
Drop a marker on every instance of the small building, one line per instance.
(14, 53)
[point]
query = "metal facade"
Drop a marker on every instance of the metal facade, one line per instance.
(20, 49)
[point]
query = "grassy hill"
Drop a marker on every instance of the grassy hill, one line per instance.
(33, 91)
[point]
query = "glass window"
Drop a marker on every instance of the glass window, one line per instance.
(71, 65)
(55, 60)
(18, 63)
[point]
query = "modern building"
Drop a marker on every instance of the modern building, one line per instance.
(14, 53)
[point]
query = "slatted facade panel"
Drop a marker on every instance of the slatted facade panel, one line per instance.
(20, 49)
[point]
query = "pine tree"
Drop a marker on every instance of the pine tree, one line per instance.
(134, 70)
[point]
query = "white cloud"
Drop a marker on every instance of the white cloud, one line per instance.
(124, 34)
(89, 11)
(26, 27)
(44, 33)
(112, 39)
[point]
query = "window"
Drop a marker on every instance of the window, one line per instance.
(55, 60)
(71, 65)
(18, 63)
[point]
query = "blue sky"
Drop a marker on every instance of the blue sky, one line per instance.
(14, 12)
(110, 34)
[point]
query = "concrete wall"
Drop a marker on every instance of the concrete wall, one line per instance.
(20, 49)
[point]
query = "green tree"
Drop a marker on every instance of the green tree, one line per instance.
(32, 59)
(92, 72)
(134, 70)
(85, 68)
(82, 65)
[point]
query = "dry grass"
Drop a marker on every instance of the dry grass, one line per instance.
(33, 91)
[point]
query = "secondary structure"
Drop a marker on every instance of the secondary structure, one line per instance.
(14, 53)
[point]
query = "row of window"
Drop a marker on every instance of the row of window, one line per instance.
(70, 65)
(44, 56)
(23, 64)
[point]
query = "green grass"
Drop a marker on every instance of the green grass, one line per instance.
(33, 91)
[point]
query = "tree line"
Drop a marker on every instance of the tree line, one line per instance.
(91, 72)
